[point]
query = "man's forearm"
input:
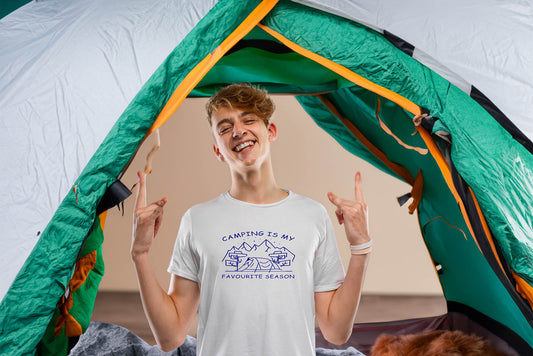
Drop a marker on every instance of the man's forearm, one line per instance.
(345, 301)
(158, 306)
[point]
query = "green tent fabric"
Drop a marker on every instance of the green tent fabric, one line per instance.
(9, 6)
(82, 297)
(485, 162)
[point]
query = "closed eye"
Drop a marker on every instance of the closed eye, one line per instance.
(224, 130)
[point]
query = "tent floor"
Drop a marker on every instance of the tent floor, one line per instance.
(125, 309)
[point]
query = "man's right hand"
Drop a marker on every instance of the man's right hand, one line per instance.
(146, 219)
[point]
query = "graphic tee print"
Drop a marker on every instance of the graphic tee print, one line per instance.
(263, 258)
(258, 267)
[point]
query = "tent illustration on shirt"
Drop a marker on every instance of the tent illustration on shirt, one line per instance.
(264, 257)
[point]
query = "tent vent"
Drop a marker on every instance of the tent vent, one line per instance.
(265, 45)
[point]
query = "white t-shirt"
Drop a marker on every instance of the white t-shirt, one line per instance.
(258, 266)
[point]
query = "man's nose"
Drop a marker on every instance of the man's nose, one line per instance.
(238, 130)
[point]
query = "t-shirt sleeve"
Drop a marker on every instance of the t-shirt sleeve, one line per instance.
(184, 261)
(328, 270)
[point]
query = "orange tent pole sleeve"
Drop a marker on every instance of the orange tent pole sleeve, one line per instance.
(346, 73)
(522, 287)
(447, 175)
(201, 69)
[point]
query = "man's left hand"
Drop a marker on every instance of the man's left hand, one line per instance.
(353, 214)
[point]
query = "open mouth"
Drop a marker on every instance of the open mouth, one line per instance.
(243, 145)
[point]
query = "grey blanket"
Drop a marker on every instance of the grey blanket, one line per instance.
(104, 339)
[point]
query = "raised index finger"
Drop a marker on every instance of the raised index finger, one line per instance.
(359, 196)
(140, 201)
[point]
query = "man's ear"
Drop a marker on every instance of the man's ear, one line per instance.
(218, 154)
(272, 132)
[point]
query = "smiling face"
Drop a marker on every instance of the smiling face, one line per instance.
(242, 139)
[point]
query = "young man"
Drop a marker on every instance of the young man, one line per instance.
(258, 262)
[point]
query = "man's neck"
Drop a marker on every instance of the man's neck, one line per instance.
(256, 186)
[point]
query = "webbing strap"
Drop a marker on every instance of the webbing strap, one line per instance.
(398, 169)
(416, 192)
(384, 127)
(151, 154)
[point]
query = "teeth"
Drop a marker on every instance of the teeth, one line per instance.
(243, 146)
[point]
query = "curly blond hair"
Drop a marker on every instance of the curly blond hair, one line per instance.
(242, 96)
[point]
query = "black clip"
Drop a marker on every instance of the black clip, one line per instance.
(114, 195)
(404, 198)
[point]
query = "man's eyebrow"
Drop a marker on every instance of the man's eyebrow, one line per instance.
(230, 121)
(224, 121)
(245, 113)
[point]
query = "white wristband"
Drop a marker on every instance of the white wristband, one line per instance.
(362, 246)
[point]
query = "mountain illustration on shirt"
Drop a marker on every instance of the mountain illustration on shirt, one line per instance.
(264, 257)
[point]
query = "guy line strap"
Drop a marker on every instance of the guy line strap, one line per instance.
(399, 169)
(150, 156)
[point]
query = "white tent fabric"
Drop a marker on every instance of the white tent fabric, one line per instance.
(488, 43)
(68, 69)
